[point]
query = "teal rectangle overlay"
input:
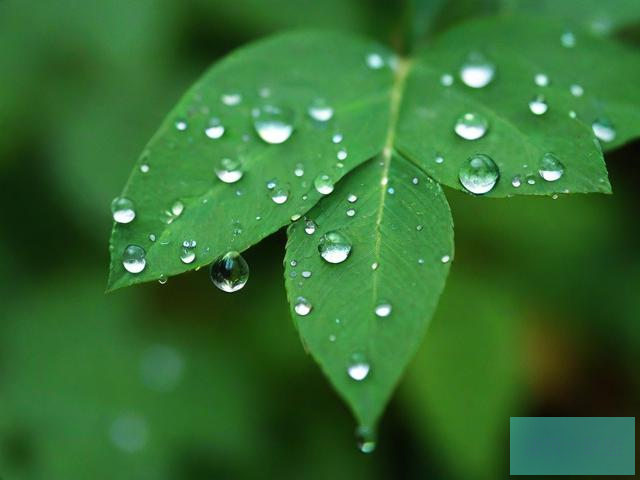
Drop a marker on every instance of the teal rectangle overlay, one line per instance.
(572, 446)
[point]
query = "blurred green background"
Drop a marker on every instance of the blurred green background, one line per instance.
(182, 381)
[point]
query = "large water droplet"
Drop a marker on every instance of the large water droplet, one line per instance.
(230, 272)
(471, 126)
(188, 252)
(551, 168)
(604, 130)
(122, 210)
(215, 129)
(320, 111)
(383, 310)
(359, 368)
(302, 306)
(323, 184)
(477, 71)
(229, 171)
(273, 124)
(279, 195)
(479, 174)
(538, 105)
(334, 247)
(133, 259)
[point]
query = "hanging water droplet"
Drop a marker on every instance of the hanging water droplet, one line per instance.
(365, 439)
(320, 111)
(323, 184)
(479, 174)
(359, 368)
(302, 306)
(230, 272)
(337, 138)
(576, 90)
(334, 247)
(351, 212)
(279, 195)
(471, 126)
(541, 80)
(375, 61)
(604, 130)
(310, 227)
(215, 129)
(228, 170)
(446, 80)
(568, 40)
(342, 154)
(188, 251)
(538, 105)
(445, 259)
(181, 125)
(273, 124)
(133, 259)
(352, 198)
(516, 181)
(122, 210)
(299, 170)
(383, 310)
(477, 71)
(163, 279)
(231, 99)
(551, 168)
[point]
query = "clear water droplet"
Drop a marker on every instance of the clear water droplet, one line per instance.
(229, 171)
(477, 71)
(516, 181)
(302, 306)
(446, 80)
(299, 170)
(310, 227)
(320, 111)
(572, 114)
(358, 368)
(576, 90)
(375, 61)
(538, 105)
(279, 195)
(352, 198)
(604, 130)
(144, 167)
(419, 227)
(439, 159)
(133, 259)
(471, 126)
(306, 274)
(323, 184)
(351, 212)
(568, 40)
(445, 259)
(231, 99)
(122, 210)
(163, 279)
(188, 251)
(334, 247)
(551, 168)
(541, 80)
(230, 272)
(383, 310)
(479, 174)
(181, 125)
(531, 180)
(365, 439)
(177, 208)
(342, 154)
(415, 180)
(273, 124)
(215, 129)
(374, 266)
(337, 138)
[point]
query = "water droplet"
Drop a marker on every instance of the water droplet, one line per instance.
(415, 180)
(541, 80)
(439, 159)
(230, 272)
(572, 114)
(419, 227)
(359, 368)
(383, 310)
(477, 71)
(551, 169)
(163, 279)
(531, 180)
(122, 210)
(421, 261)
(310, 227)
(365, 439)
(352, 198)
(231, 99)
(479, 174)
(375, 61)
(516, 181)
(351, 212)
(334, 247)
(181, 125)
(228, 170)
(332, 338)
(445, 259)
(568, 40)
(144, 168)
(374, 266)
(273, 124)
(129, 433)
(604, 130)
(152, 237)
(323, 184)
(576, 90)
(320, 111)
(446, 80)
(215, 129)
(337, 138)
(176, 210)
(295, 217)
(302, 306)
(133, 259)
(471, 126)
(279, 195)
(342, 154)
(538, 105)
(188, 251)
(299, 170)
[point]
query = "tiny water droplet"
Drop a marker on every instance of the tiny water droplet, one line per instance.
(541, 80)
(572, 114)
(568, 40)
(332, 338)
(334, 247)
(576, 90)
(295, 217)
(419, 227)
(351, 212)
(299, 170)
(374, 266)
(383, 310)
(279, 195)
(531, 180)
(293, 263)
(538, 105)
(516, 181)
(352, 198)
(231, 99)
(133, 259)
(181, 125)
(358, 368)
(415, 180)
(445, 259)
(229, 171)
(230, 272)
(320, 111)
(144, 168)
(323, 184)
(163, 279)
(337, 138)
(446, 80)
(302, 306)
(177, 208)
(342, 154)
(479, 174)
(122, 210)
(439, 159)
(273, 124)
(375, 61)
(215, 129)
(477, 71)
(471, 126)
(310, 227)
(152, 237)
(551, 168)
(604, 130)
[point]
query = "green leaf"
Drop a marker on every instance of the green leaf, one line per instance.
(516, 138)
(297, 69)
(400, 231)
